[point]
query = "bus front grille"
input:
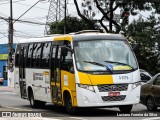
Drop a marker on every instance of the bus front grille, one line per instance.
(113, 98)
(112, 87)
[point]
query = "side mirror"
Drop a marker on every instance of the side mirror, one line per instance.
(144, 78)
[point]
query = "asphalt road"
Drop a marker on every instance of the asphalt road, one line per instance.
(10, 102)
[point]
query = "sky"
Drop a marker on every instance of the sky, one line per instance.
(37, 14)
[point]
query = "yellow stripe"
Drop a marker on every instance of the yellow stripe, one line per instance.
(101, 79)
(84, 79)
(57, 84)
(64, 37)
(95, 79)
(52, 83)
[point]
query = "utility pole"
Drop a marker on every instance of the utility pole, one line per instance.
(65, 13)
(10, 34)
(10, 39)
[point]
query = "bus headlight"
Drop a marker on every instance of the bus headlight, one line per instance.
(88, 87)
(134, 85)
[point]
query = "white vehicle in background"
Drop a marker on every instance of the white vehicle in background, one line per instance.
(145, 76)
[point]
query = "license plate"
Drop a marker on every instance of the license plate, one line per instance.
(113, 93)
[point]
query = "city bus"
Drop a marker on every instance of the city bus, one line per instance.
(78, 70)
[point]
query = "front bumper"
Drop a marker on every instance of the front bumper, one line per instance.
(86, 98)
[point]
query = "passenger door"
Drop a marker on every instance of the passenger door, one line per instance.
(22, 75)
(55, 75)
(156, 89)
(16, 71)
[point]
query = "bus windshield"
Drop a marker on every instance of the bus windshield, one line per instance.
(103, 55)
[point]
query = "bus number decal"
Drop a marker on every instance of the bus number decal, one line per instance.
(123, 77)
(37, 76)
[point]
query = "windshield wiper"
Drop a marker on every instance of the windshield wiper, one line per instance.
(99, 64)
(120, 64)
(95, 63)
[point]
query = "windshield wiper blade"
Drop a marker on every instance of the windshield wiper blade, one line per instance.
(95, 63)
(120, 63)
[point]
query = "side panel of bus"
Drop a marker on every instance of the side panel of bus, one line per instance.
(47, 72)
(37, 71)
(39, 81)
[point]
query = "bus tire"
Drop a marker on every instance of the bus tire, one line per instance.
(33, 103)
(41, 104)
(150, 103)
(68, 104)
(125, 108)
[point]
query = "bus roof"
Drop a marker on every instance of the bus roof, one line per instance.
(98, 36)
(30, 40)
(46, 39)
(76, 37)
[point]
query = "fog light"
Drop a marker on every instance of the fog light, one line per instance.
(86, 99)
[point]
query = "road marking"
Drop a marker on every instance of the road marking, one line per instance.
(30, 118)
(50, 119)
(155, 118)
(78, 118)
(16, 108)
(2, 93)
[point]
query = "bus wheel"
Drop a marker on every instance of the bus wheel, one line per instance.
(41, 104)
(68, 104)
(125, 108)
(33, 103)
(151, 104)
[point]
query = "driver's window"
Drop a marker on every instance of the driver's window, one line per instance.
(157, 80)
(67, 61)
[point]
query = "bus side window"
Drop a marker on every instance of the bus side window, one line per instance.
(30, 49)
(67, 61)
(36, 55)
(17, 56)
(45, 55)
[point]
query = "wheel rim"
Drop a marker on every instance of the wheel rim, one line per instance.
(150, 103)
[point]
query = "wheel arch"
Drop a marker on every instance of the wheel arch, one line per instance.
(65, 94)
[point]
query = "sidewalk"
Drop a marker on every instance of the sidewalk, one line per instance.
(7, 89)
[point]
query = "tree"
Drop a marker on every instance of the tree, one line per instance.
(146, 33)
(107, 8)
(73, 25)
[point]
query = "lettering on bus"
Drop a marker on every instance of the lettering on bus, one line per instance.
(123, 77)
(37, 76)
